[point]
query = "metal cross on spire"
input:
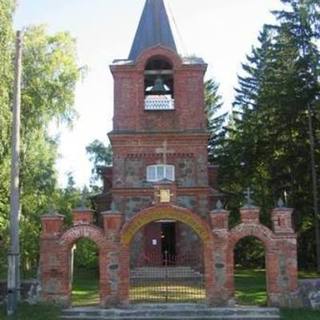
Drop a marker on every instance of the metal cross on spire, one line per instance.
(249, 202)
(164, 151)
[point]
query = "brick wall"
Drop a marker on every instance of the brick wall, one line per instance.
(114, 241)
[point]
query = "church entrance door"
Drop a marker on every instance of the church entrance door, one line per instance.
(165, 268)
(168, 242)
(159, 243)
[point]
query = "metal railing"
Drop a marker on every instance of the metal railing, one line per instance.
(158, 102)
(166, 282)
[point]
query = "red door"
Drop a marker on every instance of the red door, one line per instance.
(152, 244)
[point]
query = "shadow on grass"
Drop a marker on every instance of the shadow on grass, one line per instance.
(251, 287)
(39, 311)
(85, 288)
(299, 314)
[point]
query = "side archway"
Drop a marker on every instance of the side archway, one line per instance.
(66, 242)
(258, 231)
(163, 212)
(261, 233)
(83, 231)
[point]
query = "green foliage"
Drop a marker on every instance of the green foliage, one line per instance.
(213, 106)
(50, 73)
(49, 76)
(68, 198)
(34, 312)
(100, 156)
(86, 254)
(266, 144)
(249, 253)
(6, 77)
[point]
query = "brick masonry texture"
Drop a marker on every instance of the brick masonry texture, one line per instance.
(217, 242)
(129, 202)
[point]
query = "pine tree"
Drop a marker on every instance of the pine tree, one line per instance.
(213, 105)
(268, 139)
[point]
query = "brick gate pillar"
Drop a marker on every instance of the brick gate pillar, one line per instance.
(221, 290)
(112, 223)
(53, 288)
(283, 275)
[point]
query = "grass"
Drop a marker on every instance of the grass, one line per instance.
(32, 312)
(299, 314)
(250, 290)
(251, 287)
(85, 289)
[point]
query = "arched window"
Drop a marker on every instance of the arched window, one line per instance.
(158, 85)
(160, 172)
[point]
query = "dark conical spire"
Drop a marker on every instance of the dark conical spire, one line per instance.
(154, 29)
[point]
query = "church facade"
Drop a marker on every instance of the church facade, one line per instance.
(159, 195)
(159, 138)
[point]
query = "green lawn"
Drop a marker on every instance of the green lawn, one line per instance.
(299, 314)
(85, 290)
(34, 312)
(251, 287)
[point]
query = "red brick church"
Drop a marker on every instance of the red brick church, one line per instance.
(159, 138)
(157, 208)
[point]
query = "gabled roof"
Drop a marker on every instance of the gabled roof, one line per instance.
(154, 29)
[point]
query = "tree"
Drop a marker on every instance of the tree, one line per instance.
(213, 105)
(303, 23)
(50, 73)
(268, 136)
(6, 80)
(100, 155)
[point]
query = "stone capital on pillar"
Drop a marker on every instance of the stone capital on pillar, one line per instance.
(82, 216)
(112, 221)
(52, 224)
(282, 220)
(219, 219)
(250, 214)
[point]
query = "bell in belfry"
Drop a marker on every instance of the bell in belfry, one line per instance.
(159, 87)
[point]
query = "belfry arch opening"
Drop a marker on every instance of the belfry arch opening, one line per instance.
(158, 84)
(250, 271)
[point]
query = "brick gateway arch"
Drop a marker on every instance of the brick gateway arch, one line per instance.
(163, 212)
(114, 236)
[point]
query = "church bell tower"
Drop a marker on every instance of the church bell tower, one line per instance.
(159, 137)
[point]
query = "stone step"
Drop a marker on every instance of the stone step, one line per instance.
(160, 272)
(171, 311)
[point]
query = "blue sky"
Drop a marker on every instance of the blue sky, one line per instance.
(220, 31)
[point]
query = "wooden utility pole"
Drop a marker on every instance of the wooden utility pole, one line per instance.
(14, 251)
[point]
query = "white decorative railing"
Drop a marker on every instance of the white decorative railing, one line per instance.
(158, 102)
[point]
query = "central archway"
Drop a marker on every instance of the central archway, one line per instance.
(166, 212)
